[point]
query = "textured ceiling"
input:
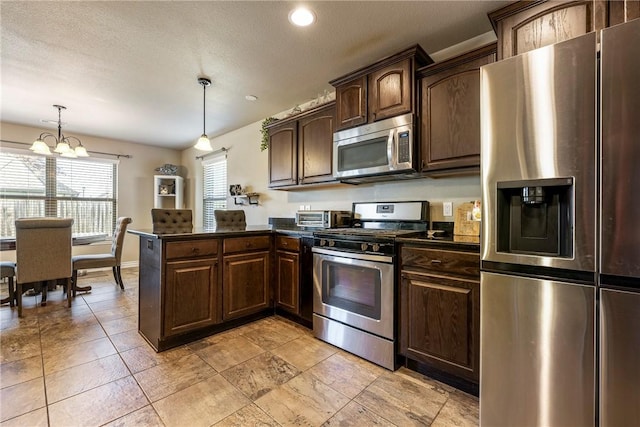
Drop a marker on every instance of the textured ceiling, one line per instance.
(128, 70)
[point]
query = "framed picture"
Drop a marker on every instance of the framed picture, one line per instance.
(163, 189)
(235, 190)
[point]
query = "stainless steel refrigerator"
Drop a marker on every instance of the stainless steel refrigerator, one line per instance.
(542, 233)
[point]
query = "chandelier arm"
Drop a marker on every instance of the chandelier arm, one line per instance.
(44, 135)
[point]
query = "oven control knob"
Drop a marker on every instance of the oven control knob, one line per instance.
(332, 243)
(323, 242)
(375, 247)
(364, 246)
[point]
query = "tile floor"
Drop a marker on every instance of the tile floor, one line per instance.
(87, 366)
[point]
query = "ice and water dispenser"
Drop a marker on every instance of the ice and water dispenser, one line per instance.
(536, 217)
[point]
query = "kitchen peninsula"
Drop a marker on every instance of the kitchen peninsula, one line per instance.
(185, 294)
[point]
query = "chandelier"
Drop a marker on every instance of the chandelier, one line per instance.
(204, 143)
(63, 143)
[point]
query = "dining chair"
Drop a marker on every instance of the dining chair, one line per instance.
(230, 219)
(112, 259)
(170, 221)
(8, 271)
(43, 252)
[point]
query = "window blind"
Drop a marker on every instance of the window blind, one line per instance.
(214, 172)
(37, 186)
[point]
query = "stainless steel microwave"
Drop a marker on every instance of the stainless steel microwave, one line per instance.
(380, 148)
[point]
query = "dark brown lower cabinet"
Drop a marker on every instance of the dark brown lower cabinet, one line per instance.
(246, 286)
(440, 310)
(192, 298)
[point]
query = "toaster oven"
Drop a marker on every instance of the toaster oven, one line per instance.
(323, 219)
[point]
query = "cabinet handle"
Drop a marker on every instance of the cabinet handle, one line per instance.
(436, 261)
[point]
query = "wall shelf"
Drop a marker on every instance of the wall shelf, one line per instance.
(168, 191)
(251, 198)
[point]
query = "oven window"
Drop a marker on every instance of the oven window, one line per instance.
(363, 155)
(352, 288)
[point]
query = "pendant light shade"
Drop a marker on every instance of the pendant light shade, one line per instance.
(204, 144)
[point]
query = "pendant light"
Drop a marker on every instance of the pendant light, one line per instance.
(204, 144)
(63, 146)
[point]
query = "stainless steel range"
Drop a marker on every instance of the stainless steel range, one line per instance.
(354, 277)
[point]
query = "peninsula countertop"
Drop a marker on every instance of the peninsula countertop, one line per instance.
(200, 232)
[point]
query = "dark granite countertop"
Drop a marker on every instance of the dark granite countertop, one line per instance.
(199, 232)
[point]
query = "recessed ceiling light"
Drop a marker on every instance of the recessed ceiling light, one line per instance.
(302, 17)
(251, 98)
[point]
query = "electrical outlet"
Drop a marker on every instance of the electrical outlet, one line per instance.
(301, 208)
(447, 209)
(307, 207)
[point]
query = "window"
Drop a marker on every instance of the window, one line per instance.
(37, 186)
(214, 174)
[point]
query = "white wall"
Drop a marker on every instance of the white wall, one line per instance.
(135, 181)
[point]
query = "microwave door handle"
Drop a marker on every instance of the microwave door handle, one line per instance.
(391, 149)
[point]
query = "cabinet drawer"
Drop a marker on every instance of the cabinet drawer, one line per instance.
(286, 243)
(444, 262)
(242, 244)
(191, 249)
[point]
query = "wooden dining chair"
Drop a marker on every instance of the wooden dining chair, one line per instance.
(43, 252)
(111, 259)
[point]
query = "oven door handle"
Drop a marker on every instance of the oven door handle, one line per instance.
(359, 256)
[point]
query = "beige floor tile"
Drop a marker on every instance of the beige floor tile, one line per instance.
(304, 352)
(115, 313)
(146, 417)
(250, 415)
(461, 410)
(72, 336)
(110, 304)
(19, 343)
(401, 400)
(37, 418)
(201, 404)
(127, 340)
(144, 357)
(230, 352)
(66, 357)
(355, 415)
(269, 334)
(99, 405)
(167, 378)
(116, 326)
(346, 373)
(302, 401)
(71, 381)
(9, 319)
(21, 398)
(260, 375)
(20, 371)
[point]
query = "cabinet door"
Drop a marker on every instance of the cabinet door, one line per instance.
(390, 91)
(283, 155)
(526, 25)
(191, 295)
(288, 281)
(441, 324)
(315, 146)
(450, 122)
(351, 103)
(246, 284)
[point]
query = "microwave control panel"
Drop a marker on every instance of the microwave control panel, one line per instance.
(404, 147)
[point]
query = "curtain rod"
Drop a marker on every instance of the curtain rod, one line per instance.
(221, 150)
(128, 156)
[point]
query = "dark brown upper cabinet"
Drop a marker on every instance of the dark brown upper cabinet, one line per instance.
(300, 148)
(450, 112)
(379, 91)
(526, 25)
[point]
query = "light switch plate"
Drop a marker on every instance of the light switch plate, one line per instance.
(447, 209)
